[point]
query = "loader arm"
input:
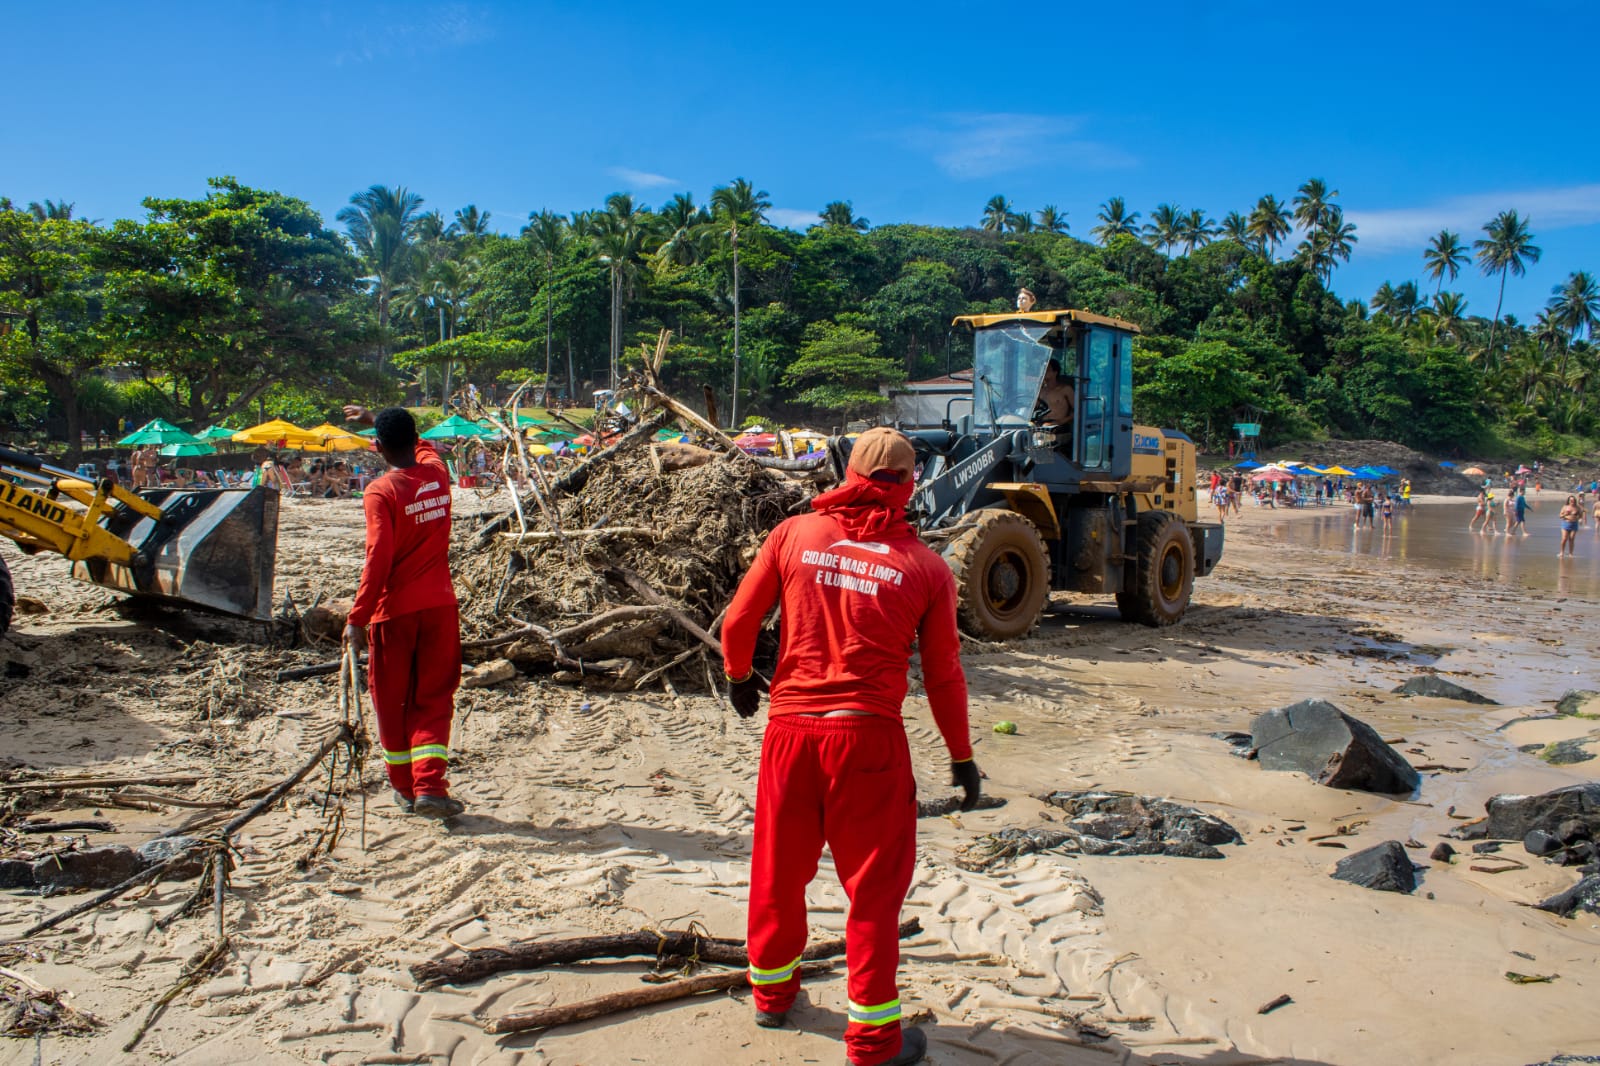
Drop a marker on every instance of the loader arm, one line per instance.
(947, 495)
(211, 548)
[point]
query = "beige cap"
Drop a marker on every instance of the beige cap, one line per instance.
(882, 448)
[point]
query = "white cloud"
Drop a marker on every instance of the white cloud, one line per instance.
(1395, 229)
(431, 30)
(792, 218)
(641, 179)
(979, 145)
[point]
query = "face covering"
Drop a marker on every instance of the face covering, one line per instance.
(867, 509)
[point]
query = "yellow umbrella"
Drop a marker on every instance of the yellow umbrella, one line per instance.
(1338, 471)
(333, 439)
(539, 449)
(274, 431)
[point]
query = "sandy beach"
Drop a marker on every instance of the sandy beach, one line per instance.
(604, 812)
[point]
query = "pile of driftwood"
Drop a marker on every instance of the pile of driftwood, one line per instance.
(618, 570)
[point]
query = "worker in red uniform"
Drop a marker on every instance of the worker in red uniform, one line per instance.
(406, 611)
(858, 589)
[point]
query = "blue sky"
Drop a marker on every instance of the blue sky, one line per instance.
(1422, 115)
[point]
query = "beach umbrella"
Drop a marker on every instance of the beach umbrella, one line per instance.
(1473, 471)
(1309, 469)
(188, 447)
(1523, 470)
(1386, 471)
(274, 431)
(1270, 474)
(1248, 464)
(1339, 471)
(330, 438)
(456, 427)
(370, 431)
(217, 433)
(1447, 464)
(157, 431)
(539, 449)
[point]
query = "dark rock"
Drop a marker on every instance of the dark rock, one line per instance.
(1539, 842)
(1315, 738)
(1471, 831)
(1243, 744)
(1568, 1060)
(16, 671)
(1572, 830)
(16, 873)
(1583, 896)
(1487, 848)
(75, 871)
(1573, 700)
(1579, 854)
(1101, 823)
(1567, 752)
(1439, 688)
(1514, 817)
(1441, 852)
(164, 848)
(1384, 868)
(1530, 749)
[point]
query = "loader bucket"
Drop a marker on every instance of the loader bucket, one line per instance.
(214, 548)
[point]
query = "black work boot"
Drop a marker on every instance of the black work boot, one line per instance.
(913, 1048)
(404, 802)
(771, 1019)
(438, 806)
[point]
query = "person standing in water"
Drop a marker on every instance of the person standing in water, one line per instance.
(1571, 515)
(1386, 505)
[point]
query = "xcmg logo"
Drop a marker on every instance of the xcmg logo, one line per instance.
(1146, 443)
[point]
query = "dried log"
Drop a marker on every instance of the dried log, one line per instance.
(575, 534)
(616, 1002)
(479, 963)
(688, 415)
(577, 631)
(92, 825)
(807, 465)
(645, 592)
(300, 673)
(59, 784)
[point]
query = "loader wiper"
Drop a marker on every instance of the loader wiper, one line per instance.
(989, 395)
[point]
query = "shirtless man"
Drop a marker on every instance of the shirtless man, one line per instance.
(1057, 396)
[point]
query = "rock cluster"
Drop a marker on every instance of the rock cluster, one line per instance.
(101, 867)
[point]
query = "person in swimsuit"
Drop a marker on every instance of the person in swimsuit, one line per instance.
(1387, 507)
(1477, 515)
(1520, 513)
(1489, 525)
(1510, 509)
(1571, 515)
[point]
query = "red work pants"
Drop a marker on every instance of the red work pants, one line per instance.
(414, 669)
(846, 782)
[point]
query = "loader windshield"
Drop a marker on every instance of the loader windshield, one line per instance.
(1008, 363)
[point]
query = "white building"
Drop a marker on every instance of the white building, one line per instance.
(926, 404)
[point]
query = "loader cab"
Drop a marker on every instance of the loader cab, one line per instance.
(1010, 355)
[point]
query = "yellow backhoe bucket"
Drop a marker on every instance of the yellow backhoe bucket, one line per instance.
(211, 548)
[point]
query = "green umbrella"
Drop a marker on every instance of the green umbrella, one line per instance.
(157, 431)
(455, 426)
(186, 447)
(368, 432)
(217, 433)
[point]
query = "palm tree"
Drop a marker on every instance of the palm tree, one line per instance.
(841, 214)
(51, 211)
(1577, 308)
(1550, 334)
(1165, 228)
(1197, 230)
(684, 224)
(472, 223)
(734, 205)
(997, 214)
(1235, 227)
(1407, 304)
(619, 234)
(1444, 256)
(1311, 202)
(1449, 315)
(1115, 221)
(546, 232)
(1269, 224)
(381, 223)
(1052, 220)
(1508, 248)
(1383, 300)
(1329, 242)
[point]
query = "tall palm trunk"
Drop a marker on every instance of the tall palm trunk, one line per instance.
(735, 403)
(548, 267)
(1495, 325)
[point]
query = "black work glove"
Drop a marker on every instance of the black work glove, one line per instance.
(964, 775)
(746, 695)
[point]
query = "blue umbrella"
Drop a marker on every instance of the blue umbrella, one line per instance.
(1386, 471)
(1447, 464)
(1248, 464)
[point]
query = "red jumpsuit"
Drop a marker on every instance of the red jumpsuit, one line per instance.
(409, 606)
(856, 594)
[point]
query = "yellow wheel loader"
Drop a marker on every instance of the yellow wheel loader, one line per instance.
(209, 548)
(1020, 500)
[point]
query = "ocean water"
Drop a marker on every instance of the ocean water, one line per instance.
(1435, 535)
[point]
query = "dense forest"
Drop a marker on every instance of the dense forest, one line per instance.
(247, 302)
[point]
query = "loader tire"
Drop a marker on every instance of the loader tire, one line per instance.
(8, 597)
(1163, 578)
(1002, 575)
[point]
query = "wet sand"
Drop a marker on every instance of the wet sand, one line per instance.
(608, 812)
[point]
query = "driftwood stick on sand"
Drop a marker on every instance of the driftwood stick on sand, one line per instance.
(647, 593)
(479, 963)
(150, 874)
(300, 673)
(188, 979)
(57, 784)
(571, 633)
(632, 999)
